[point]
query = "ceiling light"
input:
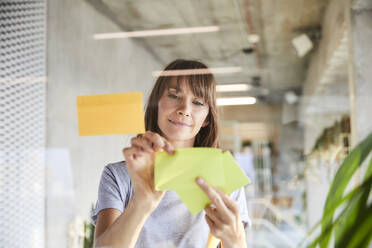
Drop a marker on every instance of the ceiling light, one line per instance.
(302, 44)
(253, 38)
(236, 101)
(219, 70)
(156, 32)
(291, 97)
(232, 87)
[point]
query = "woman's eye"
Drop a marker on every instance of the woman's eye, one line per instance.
(173, 96)
(199, 103)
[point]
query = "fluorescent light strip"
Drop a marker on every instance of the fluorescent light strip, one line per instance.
(236, 101)
(232, 87)
(253, 38)
(156, 32)
(219, 70)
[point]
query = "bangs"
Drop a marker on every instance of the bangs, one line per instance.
(201, 85)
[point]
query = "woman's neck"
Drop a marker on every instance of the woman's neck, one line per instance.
(182, 143)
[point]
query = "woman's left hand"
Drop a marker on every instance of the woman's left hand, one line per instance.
(223, 216)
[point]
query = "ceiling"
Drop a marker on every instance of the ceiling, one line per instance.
(277, 22)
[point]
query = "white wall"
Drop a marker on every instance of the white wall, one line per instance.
(79, 65)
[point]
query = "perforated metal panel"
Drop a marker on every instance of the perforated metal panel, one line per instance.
(22, 123)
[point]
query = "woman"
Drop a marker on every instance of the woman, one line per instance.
(181, 112)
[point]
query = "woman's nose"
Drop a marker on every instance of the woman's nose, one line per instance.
(184, 109)
(181, 112)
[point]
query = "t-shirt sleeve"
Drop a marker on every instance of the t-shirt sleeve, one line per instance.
(108, 193)
(239, 197)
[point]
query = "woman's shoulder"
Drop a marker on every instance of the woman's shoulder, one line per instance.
(118, 171)
(117, 166)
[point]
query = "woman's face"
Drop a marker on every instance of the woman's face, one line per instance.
(181, 114)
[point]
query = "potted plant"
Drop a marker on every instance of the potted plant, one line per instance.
(347, 215)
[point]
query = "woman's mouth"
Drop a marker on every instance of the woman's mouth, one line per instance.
(179, 123)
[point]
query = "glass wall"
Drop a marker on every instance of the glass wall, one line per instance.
(292, 101)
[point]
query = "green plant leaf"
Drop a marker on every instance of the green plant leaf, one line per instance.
(361, 232)
(355, 215)
(349, 221)
(341, 180)
(351, 197)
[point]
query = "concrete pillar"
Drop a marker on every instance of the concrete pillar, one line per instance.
(360, 82)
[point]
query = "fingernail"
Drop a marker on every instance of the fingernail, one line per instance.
(199, 180)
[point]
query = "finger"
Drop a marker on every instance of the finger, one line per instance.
(142, 142)
(215, 198)
(229, 202)
(132, 153)
(168, 147)
(128, 153)
(210, 221)
(213, 215)
(212, 226)
(138, 151)
(157, 142)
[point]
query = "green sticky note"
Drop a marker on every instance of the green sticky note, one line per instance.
(178, 172)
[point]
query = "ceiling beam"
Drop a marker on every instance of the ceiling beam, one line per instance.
(361, 4)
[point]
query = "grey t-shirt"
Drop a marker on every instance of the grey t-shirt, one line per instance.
(170, 224)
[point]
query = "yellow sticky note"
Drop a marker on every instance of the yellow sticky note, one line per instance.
(110, 114)
(178, 172)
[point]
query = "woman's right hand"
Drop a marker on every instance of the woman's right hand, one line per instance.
(140, 157)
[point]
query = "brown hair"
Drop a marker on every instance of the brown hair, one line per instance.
(202, 85)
